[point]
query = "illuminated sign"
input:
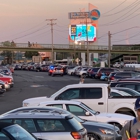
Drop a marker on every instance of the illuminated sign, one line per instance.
(81, 35)
(94, 14)
(78, 15)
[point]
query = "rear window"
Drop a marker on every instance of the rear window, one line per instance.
(77, 125)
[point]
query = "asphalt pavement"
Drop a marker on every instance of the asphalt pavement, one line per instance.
(28, 84)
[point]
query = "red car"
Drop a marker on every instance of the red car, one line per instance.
(7, 80)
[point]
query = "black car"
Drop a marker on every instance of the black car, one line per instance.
(96, 130)
(10, 131)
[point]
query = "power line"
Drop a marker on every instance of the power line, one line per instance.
(122, 16)
(115, 7)
(123, 9)
(29, 33)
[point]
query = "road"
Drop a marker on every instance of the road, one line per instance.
(30, 84)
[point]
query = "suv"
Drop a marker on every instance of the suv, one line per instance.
(95, 130)
(49, 125)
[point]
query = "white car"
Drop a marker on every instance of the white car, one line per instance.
(85, 112)
(72, 71)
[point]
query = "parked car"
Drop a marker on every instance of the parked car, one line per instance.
(96, 96)
(95, 130)
(121, 75)
(128, 90)
(10, 131)
(104, 77)
(93, 72)
(107, 71)
(51, 125)
(83, 111)
(72, 71)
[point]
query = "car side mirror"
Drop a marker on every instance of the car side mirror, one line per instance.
(87, 113)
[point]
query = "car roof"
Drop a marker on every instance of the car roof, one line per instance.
(62, 102)
(34, 115)
(86, 85)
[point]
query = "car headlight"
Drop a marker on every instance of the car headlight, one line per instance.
(25, 104)
(107, 131)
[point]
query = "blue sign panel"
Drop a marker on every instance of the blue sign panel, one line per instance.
(94, 14)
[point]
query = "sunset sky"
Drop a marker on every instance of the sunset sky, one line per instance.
(24, 20)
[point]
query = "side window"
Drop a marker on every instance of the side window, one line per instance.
(114, 94)
(56, 105)
(50, 125)
(3, 136)
(130, 86)
(69, 94)
(91, 93)
(138, 88)
(77, 110)
(27, 124)
(7, 120)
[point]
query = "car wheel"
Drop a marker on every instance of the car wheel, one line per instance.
(52, 75)
(61, 74)
(92, 136)
(118, 125)
(72, 73)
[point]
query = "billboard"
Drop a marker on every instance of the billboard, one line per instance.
(78, 15)
(78, 32)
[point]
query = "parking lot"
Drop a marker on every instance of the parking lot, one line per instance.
(33, 84)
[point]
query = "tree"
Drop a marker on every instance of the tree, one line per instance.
(29, 54)
(8, 55)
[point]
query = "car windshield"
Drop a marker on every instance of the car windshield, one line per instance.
(88, 108)
(19, 133)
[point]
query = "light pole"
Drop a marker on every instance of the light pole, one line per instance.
(87, 41)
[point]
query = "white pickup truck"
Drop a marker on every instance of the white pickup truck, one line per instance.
(95, 96)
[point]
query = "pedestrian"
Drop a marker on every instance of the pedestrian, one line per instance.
(131, 130)
(81, 80)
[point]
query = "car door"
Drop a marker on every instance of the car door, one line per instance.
(81, 112)
(29, 125)
(92, 97)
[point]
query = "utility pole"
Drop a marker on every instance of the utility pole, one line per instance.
(51, 23)
(109, 48)
(87, 41)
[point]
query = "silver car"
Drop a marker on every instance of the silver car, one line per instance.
(51, 125)
(57, 71)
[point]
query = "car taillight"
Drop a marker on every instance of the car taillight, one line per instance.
(76, 135)
(61, 70)
(112, 78)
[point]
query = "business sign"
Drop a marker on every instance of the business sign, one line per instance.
(94, 14)
(80, 32)
(78, 15)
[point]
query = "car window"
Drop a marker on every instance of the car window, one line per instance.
(51, 125)
(7, 120)
(91, 93)
(3, 136)
(132, 86)
(56, 105)
(138, 88)
(69, 94)
(76, 110)
(114, 94)
(27, 124)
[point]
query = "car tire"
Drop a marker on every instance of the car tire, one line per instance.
(52, 75)
(61, 74)
(72, 73)
(93, 136)
(84, 75)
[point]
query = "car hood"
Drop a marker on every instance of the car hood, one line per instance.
(35, 101)
(110, 117)
(98, 124)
